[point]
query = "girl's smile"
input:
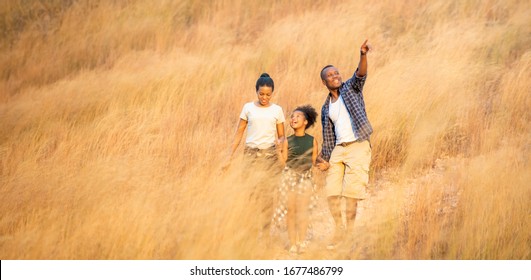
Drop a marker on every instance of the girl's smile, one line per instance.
(298, 120)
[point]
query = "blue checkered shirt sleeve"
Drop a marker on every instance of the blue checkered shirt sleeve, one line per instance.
(329, 136)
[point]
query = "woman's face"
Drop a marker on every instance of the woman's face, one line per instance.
(264, 94)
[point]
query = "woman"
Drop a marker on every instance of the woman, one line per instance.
(264, 122)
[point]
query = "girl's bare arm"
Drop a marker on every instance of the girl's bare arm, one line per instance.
(315, 152)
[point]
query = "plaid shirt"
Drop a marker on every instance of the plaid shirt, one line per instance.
(351, 91)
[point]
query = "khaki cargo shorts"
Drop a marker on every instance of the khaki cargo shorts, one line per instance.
(348, 174)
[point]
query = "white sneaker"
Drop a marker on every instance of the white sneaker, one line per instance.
(293, 249)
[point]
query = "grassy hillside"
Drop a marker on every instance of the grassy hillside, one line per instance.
(115, 117)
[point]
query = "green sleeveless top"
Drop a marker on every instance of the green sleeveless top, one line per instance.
(300, 150)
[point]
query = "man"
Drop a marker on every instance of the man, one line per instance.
(346, 152)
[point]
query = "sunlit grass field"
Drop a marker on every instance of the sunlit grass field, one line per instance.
(116, 116)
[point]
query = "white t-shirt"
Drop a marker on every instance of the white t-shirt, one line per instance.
(341, 118)
(261, 124)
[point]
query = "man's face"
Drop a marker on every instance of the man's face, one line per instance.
(331, 78)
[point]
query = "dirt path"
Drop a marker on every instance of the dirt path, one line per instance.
(322, 228)
(390, 198)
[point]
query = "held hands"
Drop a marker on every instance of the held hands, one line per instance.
(322, 164)
(281, 148)
(279, 143)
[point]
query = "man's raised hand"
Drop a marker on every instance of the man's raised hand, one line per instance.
(365, 47)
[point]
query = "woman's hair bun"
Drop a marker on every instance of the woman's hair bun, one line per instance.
(265, 80)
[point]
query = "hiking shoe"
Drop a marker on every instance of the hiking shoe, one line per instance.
(339, 235)
(303, 246)
(293, 249)
(331, 246)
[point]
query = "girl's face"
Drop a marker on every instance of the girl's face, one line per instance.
(264, 94)
(298, 120)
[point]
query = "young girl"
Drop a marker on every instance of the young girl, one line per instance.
(299, 154)
(264, 122)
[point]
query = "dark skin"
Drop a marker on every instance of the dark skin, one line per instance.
(264, 95)
(332, 80)
(298, 216)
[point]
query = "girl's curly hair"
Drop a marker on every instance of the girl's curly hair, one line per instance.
(309, 112)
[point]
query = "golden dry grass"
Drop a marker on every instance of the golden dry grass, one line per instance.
(115, 117)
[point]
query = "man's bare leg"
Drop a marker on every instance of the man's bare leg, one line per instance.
(334, 204)
(352, 206)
